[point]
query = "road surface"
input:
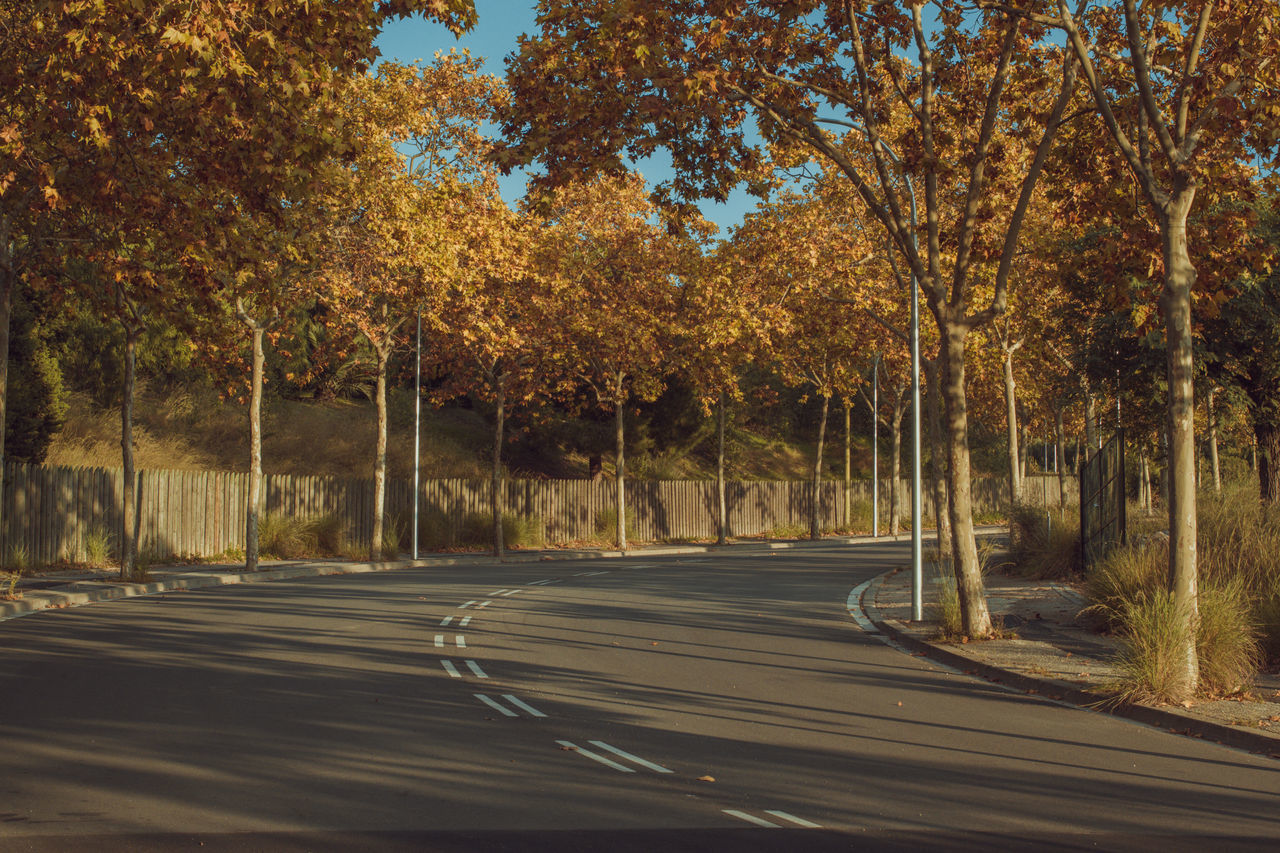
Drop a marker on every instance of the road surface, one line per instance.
(725, 701)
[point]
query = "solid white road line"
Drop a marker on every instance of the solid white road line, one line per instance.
(523, 706)
(594, 757)
(501, 709)
(750, 818)
(854, 605)
(798, 821)
(450, 668)
(648, 765)
(475, 667)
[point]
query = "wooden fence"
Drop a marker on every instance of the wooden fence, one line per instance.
(50, 514)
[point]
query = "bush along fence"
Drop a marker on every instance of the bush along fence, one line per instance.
(53, 515)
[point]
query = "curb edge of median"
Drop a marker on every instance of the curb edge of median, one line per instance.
(1168, 719)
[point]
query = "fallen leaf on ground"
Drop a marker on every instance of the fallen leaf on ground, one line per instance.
(706, 778)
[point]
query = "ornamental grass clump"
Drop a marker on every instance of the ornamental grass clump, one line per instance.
(1045, 543)
(1238, 624)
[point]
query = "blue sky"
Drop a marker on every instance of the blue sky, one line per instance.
(501, 23)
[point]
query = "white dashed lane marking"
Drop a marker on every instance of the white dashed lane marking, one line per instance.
(514, 701)
(468, 604)
(444, 623)
(776, 813)
(471, 665)
(466, 620)
(609, 762)
(458, 639)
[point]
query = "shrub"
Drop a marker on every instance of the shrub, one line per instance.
(606, 526)
(946, 610)
(284, 537)
(393, 531)
(788, 531)
(1045, 543)
(1152, 635)
(329, 532)
(1226, 639)
(97, 547)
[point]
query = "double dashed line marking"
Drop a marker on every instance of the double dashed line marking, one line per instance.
(609, 762)
(515, 702)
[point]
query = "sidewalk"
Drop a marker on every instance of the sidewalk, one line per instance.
(1057, 656)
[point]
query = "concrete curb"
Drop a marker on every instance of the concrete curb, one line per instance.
(1171, 719)
(35, 601)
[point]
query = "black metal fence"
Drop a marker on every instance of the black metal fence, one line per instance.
(1102, 501)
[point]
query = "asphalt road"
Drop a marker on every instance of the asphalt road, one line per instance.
(696, 703)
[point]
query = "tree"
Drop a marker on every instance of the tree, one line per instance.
(154, 109)
(492, 322)
(613, 273)
(1197, 76)
(611, 79)
(395, 234)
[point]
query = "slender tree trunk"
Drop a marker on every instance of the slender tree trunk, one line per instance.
(1266, 455)
(1092, 438)
(619, 476)
(1180, 275)
(895, 463)
(974, 614)
(848, 465)
(1011, 423)
(722, 534)
(937, 453)
(1144, 482)
(1213, 443)
(1253, 455)
(257, 329)
(129, 533)
(376, 551)
(7, 282)
(495, 487)
(815, 530)
(1060, 448)
(255, 452)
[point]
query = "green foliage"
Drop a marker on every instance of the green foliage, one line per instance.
(36, 400)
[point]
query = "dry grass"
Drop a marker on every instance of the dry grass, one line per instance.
(194, 431)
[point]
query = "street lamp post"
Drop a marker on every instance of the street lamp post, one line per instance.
(417, 427)
(875, 446)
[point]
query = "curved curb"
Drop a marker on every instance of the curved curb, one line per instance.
(1172, 720)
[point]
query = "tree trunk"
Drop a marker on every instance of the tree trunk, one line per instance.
(722, 519)
(938, 483)
(129, 532)
(848, 466)
(1011, 423)
(815, 508)
(1060, 449)
(975, 617)
(1213, 444)
(895, 463)
(1266, 452)
(1180, 275)
(6, 310)
(1144, 480)
(495, 486)
(376, 551)
(619, 477)
(1092, 439)
(255, 452)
